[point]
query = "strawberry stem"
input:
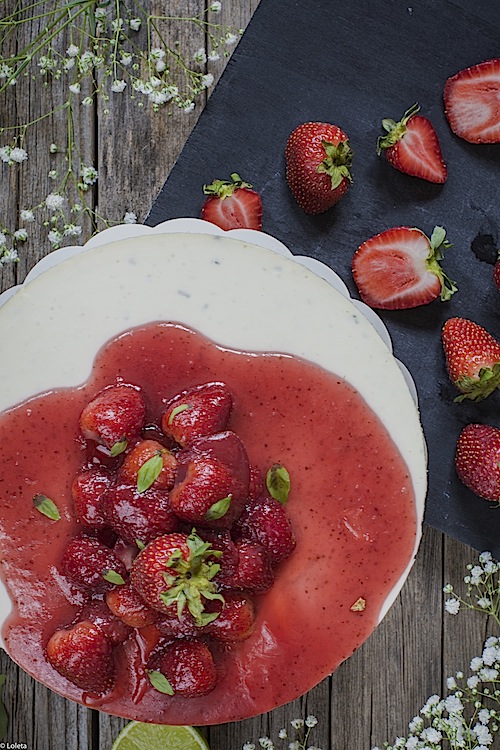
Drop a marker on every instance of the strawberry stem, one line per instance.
(395, 130)
(225, 188)
(337, 162)
(476, 389)
(437, 244)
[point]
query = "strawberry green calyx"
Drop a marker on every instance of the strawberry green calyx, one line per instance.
(224, 188)
(476, 389)
(438, 243)
(395, 130)
(189, 581)
(337, 162)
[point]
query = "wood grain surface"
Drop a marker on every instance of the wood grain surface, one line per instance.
(373, 695)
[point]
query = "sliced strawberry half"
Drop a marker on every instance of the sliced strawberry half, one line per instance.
(412, 146)
(232, 204)
(472, 358)
(399, 268)
(472, 102)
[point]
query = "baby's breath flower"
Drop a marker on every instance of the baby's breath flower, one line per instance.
(297, 723)
(473, 681)
(75, 88)
(72, 230)
(118, 86)
(451, 683)
(72, 50)
(476, 664)
(311, 721)
(294, 745)
(18, 154)
(54, 201)
(87, 101)
(266, 743)
(53, 174)
(3, 240)
(126, 58)
(9, 255)
(282, 734)
(485, 557)
(215, 6)
(230, 39)
(129, 218)
(117, 24)
(249, 746)
(21, 235)
(207, 80)
(157, 54)
(452, 606)
(135, 24)
(188, 106)
(27, 215)
(475, 575)
(68, 63)
(5, 71)
(213, 56)
(453, 704)
(200, 56)
(55, 238)
(160, 66)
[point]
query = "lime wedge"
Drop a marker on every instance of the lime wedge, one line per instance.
(139, 736)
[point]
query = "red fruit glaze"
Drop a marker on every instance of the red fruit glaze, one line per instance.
(139, 455)
(86, 561)
(477, 460)
(87, 490)
(318, 158)
(197, 413)
(189, 667)
(84, 655)
(472, 102)
(114, 415)
(350, 495)
(138, 516)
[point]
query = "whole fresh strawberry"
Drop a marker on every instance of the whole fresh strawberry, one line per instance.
(472, 102)
(138, 516)
(91, 565)
(187, 668)
(472, 358)
(176, 571)
(412, 146)
(199, 412)
(265, 521)
(477, 460)
(399, 269)
(84, 655)
(149, 464)
(232, 204)
(114, 417)
(318, 160)
(87, 491)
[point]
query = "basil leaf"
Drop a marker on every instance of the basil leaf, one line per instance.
(218, 509)
(160, 682)
(118, 448)
(45, 505)
(149, 471)
(113, 577)
(278, 483)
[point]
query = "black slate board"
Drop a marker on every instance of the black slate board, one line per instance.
(353, 64)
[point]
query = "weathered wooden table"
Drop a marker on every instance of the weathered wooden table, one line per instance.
(373, 695)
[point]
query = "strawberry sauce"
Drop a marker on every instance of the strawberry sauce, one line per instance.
(351, 505)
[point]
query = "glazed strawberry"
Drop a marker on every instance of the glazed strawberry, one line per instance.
(138, 516)
(96, 610)
(148, 464)
(236, 618)
(472, 358)
(265, 521)
(126, 604)
(87, 490)
(412, 146)
(174, 571)
(188, 667)
(83, 655)
(318, 161)
(114, 417)
(399, 268)
(472, 102)
(477, 460)
(256, 485)
(198, 412)
(208, 493)
(253, 571)
(91, 565)
(232, 204)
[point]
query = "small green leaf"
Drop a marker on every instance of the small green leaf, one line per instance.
(113, 577)
(437, 237)
(149, 472)
(45, 505)
(160, 682)
(177, 410)
(119, 447)
(278, 483)
(4, 717)
(140, 544)
(218, 509)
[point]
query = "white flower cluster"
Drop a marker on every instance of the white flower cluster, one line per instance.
(302, 729)
(13, 154)
(483, 588)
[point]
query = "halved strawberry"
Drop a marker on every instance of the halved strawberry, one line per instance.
(472, 102)
(91, 565)
(472, 358)
(114, 417)
(87, 490)
(149, 464)
(84, 655)
(399, 268)
(138, 516)
(232, 204)
(201, 411)
(318, 161)
(412, 146)
(477, 460)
